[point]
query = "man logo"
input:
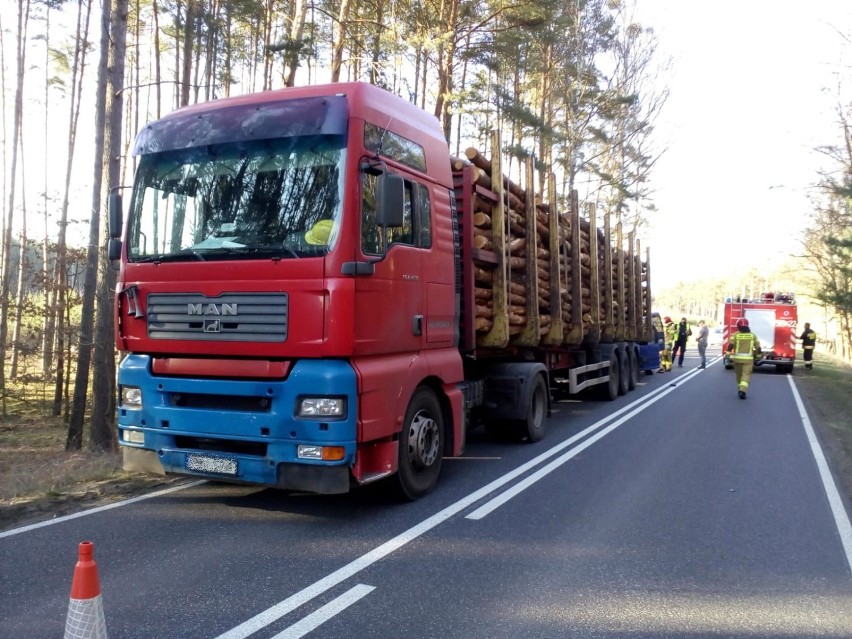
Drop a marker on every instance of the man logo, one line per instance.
(212, 326)
(211, 309)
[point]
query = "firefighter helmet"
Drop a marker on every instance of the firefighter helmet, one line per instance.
(742, 322)
(667, 320)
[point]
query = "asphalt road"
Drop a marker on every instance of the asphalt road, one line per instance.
(678, 510)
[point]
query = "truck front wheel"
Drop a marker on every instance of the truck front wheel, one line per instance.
(421, 444)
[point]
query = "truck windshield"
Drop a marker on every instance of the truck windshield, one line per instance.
(248, 200)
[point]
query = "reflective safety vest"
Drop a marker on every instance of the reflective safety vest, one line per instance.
(744, 347)
(671, 333)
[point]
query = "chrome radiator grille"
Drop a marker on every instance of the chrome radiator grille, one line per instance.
(232, 317)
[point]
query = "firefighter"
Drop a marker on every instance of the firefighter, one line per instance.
(743, 347)
(808, 338)
(670, 333)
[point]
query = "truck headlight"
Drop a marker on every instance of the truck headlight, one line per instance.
(130, 397)
(322, 407)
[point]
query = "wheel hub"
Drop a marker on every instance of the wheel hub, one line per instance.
(423, 441)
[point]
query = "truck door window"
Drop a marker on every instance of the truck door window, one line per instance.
(417, 224)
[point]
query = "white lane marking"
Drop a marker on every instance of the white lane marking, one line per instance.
(99, 509)
(321, 615)
(521, 486)
(273, 613)
(841, 518)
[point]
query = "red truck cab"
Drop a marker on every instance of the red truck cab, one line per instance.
(262, 348)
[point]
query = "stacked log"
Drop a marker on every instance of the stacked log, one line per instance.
(529, 286)
(514, 253)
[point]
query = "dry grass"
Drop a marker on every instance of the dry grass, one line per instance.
(33, 460)
(38, 478)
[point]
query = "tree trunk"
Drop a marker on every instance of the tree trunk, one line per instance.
(5, 289)
(62, 341)
(74, 440)
(48, 325)
(22, 272)
(103, 391)
(339, 31)
(186, 58)
(158, 74)
(377, 43)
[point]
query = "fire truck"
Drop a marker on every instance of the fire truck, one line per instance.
(773, 318)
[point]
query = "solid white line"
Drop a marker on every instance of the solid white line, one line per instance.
(841, 518)
(321, 615)
(518, 488)
(273, 613)
(99, 509)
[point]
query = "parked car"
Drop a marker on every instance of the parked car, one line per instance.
(715, 338)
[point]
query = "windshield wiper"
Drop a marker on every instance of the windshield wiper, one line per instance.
(252, 252)
(180, 256)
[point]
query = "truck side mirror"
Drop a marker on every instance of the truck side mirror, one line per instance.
(389, 200)
(114, 219)
(115, 215)
(113, 249)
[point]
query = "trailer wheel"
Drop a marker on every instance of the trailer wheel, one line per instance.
(421, 444)
(633, 360)
(532, 428)
(623, 372)
(609, 391)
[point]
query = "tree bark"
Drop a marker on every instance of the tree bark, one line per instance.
(74, 441)
(339, 31)
(5, 289)
(104, 391)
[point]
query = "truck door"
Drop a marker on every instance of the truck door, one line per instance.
(389, 304)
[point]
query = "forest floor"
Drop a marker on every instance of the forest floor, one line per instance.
(40, 481)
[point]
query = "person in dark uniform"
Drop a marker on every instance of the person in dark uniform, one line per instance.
(683, 331)
(808, 338)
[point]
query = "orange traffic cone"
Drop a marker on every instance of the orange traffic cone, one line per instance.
(85, 610)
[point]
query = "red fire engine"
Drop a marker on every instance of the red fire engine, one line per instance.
(772, 317)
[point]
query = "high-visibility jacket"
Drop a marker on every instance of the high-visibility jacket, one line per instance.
(743, 346)
(808, 340)
(671, 333)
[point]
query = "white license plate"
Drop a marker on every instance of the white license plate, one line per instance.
(211, 464)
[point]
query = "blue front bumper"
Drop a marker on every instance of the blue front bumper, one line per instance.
(240, 430)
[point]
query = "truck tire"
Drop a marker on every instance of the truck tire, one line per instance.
(633, 359)
(623, 371)
(609, 390)
(533, 428)
(421, 445)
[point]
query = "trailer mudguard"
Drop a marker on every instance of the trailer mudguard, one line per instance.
(507, 389)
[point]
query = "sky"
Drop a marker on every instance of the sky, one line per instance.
(754, 90)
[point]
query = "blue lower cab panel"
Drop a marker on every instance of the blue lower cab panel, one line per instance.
(238, 430)
(649, 357)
